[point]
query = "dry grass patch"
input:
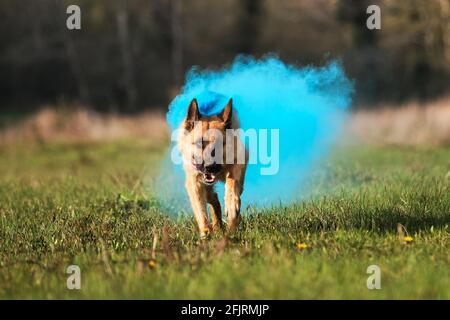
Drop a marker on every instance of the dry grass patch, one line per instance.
(83, 125)
(411, 124)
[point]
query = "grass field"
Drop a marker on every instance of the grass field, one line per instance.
(88, 205)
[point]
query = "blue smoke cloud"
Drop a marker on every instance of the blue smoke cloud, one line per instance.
(307, 105)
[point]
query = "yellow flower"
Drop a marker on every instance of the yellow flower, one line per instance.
(301, 246)
(408, 239)
(152, 264)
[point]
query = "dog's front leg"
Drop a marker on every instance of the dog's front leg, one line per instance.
(233, 190)
(197, 197)
(216, 212)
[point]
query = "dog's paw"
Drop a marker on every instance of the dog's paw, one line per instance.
(205, 234)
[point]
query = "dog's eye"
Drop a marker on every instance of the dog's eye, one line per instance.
(199, 143)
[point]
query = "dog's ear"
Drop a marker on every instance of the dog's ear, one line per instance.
(193, 115)
(227, 113)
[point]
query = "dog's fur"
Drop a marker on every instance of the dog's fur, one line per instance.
(199, 135)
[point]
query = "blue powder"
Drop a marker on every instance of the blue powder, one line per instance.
(307, 105)
(211, 103)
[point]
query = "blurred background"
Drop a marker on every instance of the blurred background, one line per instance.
(119, 72)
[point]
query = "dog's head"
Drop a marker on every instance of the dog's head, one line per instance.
(204, 140)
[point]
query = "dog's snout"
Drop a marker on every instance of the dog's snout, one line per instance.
(207, 168)
(212, 168)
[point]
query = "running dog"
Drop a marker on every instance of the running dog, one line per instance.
(212, 151)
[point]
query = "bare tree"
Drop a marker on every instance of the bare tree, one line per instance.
(445, 29)
(177, 41)
(127, 58)
(249, 25)
(72, 55)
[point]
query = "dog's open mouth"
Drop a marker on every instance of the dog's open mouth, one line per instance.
(209, 178)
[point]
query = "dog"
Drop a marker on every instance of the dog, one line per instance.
(212, 151)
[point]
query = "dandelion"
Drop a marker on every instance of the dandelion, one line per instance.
(152, 264)
(301, 246)
(408, 239)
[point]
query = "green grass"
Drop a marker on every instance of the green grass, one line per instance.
(88, 205)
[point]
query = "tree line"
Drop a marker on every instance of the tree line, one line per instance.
(131, 55)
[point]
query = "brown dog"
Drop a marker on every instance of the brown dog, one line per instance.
(212, 151)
